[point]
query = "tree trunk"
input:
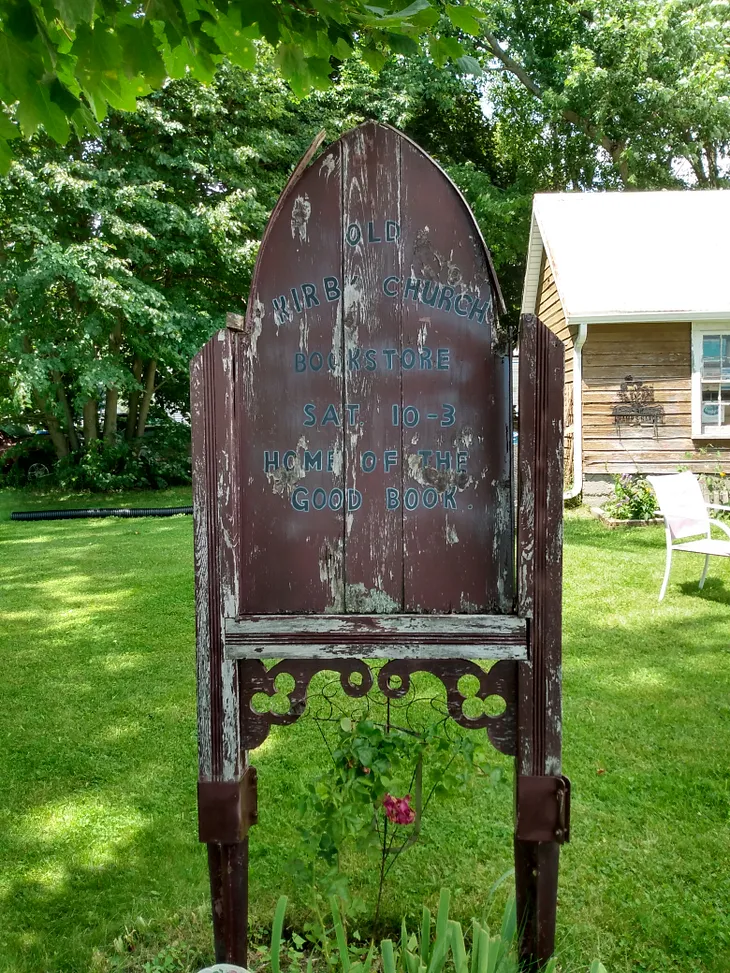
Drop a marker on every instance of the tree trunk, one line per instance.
(73, 438)
(60, 443)
(110, 415)
(112, 394)
(133, 401)
(149, 390)
(91, 426)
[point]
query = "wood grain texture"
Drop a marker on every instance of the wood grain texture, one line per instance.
(376, 636)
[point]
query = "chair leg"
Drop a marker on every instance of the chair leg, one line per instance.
(666, 573)
(704, 570)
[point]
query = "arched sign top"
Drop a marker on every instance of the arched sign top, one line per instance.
(376, 440)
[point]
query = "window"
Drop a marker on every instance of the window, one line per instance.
(711, 381)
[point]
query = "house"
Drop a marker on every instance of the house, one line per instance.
(637, 286)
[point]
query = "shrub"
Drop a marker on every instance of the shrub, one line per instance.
(632, 499)
(27, 463)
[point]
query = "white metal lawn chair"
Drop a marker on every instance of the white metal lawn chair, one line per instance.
(685, 514)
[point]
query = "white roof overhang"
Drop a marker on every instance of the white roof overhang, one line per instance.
(633, 257)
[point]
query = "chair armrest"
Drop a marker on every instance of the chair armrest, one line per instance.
(716, 506)
(723, 527)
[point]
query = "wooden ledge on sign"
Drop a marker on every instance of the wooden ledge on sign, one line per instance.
(376, 637)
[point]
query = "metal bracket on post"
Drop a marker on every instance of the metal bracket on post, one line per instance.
(543, 809)
(226, 810)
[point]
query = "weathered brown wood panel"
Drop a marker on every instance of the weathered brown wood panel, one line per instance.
(292, 384)
(623, 363)
(458, 453)
(372, 253)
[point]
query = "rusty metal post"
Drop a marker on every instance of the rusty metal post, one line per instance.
(222, 815)
(542, 794)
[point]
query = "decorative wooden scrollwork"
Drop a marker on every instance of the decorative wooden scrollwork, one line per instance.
(394, 682)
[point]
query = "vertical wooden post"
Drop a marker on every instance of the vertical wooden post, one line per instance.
(539, 587)
(216, 486)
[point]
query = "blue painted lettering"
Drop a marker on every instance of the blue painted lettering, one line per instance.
(331, 288)
(411, 289)
(319, 499)
(390, 286)
(411, 416)
(311, 416)
(457, 304)
(430, 498)
(425, 355)
(353, 356)
(390, 354)
(461, 458)
(390, 458)
(425, 454)
(479, 310)
(281, 311)
(330, 416)
(295, 299)
(445, 300)
(408, 358)
(392, 231)
(330, 460)
(300, 361)
(271, 460)
(443, 459)
(368, 461)
(289, 459)
(392, 498)
(309, 293)
(313, 461)
(371, 362)
(372, 238)
(443, 358)
(300, 498)
(449, 416)
(352, 410)
(427, 298)
(353, 235)
(410, 498)
(316, 361)
(354, 499)
(336, 499)
(450, 499)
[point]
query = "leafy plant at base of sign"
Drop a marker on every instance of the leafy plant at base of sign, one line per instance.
(435, 947)
(632, 499)
(384, 780)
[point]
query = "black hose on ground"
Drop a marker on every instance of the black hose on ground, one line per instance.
(100, 512)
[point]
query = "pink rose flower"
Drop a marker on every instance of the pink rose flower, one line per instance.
(398, 809)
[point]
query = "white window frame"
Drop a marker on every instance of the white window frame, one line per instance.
(699, 330)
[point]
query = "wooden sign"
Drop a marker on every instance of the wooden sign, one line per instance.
(352, 447)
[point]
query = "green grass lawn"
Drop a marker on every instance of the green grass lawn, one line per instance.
(98, 758)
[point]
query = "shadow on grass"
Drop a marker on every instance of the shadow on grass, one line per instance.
(97, 823)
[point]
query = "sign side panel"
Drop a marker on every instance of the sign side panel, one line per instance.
(292, 384)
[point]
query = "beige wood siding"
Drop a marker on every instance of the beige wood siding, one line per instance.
(550, 312)
(646, 426)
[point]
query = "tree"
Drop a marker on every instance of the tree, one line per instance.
(120, 255)
(65, 62)
(612, 93)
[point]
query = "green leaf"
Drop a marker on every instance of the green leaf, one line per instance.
(276, 929)
(404, 14)
(465, 18)
(469, 65)
(597, 967)
(386, 951)
(402, 44)
(73, 12)
(6, 157)
(141, 53)
(8, 129)
(443, 49)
